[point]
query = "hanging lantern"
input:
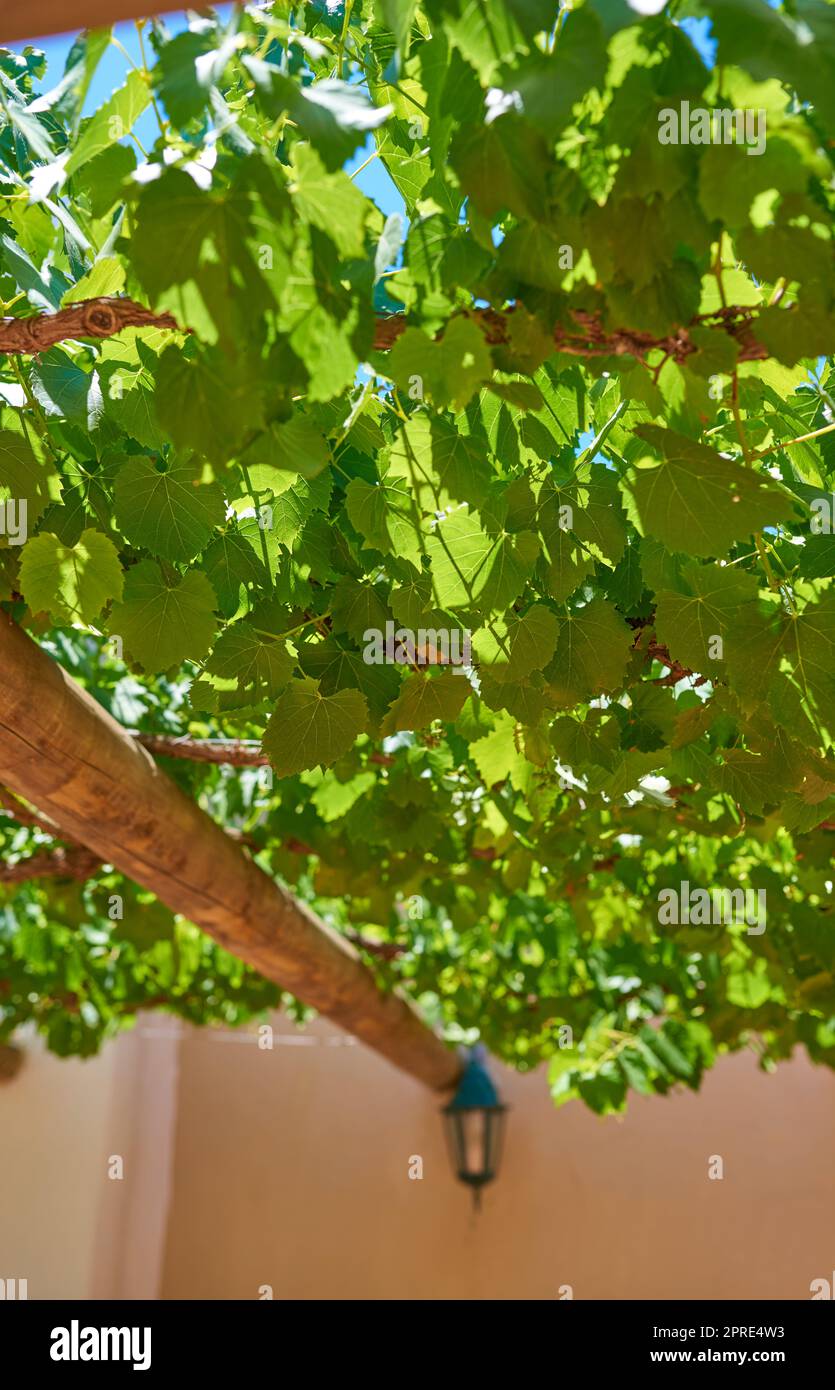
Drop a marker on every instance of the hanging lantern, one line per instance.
(474, 1122)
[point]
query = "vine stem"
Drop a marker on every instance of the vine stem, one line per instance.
(766, 563)
(600, 439)
(346, 20)
(740, 428)
(163, 125)
(117, 43)
(365, 163)
(717, 271)
(787, 443)
(773, 581)
(308, 622)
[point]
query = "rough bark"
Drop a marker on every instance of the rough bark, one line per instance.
(79, 863)
(235, 752)
(62, 752)
(585, 337)
(91, 318)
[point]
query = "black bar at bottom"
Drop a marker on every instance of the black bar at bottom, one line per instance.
(239, 1339)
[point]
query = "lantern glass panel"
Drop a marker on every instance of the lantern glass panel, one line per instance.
(475, 1142)
(495, 1139)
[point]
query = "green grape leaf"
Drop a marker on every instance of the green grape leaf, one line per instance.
(283, 451)
(171, 512)
(72, 583)
(206, 403)
(424, 698)
(499, 756)
(112, 122)
(384, 515)
(336, 116)
(592, 651)
(23, 477)
(329, 201)
(247, 667)
(437, 464)
(697, 626)
(696, 500)
(230, 563)
(509, 650)
(308, 729)
(449, 371)
(164, 620)
(473, 569)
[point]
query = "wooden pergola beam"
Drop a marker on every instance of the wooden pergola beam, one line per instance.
(67, 756)
(30, 19)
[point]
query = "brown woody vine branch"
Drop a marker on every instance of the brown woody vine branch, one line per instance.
(384, 950)
(656, 651)
(70, 861)
(235, 752)
(76, 862)
(22, 814)
(588, 338)
(585, 336)
(92, 318)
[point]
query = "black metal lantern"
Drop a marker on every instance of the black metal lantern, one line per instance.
(474, 1122)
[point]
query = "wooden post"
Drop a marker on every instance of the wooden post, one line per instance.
(60, 750)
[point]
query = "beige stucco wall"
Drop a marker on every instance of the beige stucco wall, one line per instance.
(54, 1130)
(291, 1170)
(66, 1226)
